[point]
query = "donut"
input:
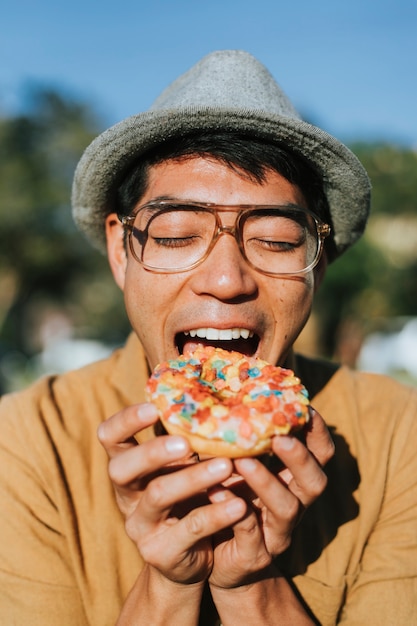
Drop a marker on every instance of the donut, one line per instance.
(225, 403)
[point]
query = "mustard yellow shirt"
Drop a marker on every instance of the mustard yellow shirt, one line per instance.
(66, 560)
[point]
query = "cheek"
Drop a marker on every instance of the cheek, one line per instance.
(142, 311)
(148, 297)
(135, 295)
(293, 306)
(292, 293)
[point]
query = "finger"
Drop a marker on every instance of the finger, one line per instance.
(178, 492)
(280, 509)
(318, 438)
(136, 462)
(247, 532)
(183, 535)
(272, 493)
(303, 475)
(163, 492)
(117, 432)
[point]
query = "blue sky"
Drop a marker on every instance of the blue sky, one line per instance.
(350, 66)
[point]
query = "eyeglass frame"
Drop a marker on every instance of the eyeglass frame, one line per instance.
(323, 230)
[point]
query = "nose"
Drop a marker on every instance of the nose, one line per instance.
(225, 274)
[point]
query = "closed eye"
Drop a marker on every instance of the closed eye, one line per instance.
(175, 242)
(274, 246)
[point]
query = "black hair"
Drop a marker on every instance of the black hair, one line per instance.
(250, 157)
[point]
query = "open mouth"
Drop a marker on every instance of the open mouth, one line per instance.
(239, 339)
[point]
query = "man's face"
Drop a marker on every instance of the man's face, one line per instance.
(223, 294)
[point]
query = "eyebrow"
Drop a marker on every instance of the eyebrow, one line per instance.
(165, 199)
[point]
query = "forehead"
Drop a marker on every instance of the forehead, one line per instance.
(205, 179)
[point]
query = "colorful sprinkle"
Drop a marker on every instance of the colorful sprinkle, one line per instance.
(227, 396)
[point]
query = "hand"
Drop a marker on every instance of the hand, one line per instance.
(161, 491)
(275, 504)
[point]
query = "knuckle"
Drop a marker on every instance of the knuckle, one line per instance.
(114, 471)
(147, 551)
(194, 524)
(103, 434)
(323, 481)
(131, 528)
(157, 493)
(291, 509)
(261, 561)
(318, 485)
(148, 547)
(329, 452)
(301, 454)
(251, 525)
(282, 545)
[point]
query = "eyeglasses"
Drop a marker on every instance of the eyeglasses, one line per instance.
(170, 236)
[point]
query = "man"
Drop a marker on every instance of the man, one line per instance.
(324, 530)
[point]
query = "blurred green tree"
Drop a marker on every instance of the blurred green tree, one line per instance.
(377, 278)
(44, 262)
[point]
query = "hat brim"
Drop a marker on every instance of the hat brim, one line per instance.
(108, 157)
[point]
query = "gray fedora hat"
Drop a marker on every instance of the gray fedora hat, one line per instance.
(232, 91)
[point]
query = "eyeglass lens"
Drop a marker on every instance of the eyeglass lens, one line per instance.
(281, 241)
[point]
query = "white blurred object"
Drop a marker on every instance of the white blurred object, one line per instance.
(63, 354)
(60, 350)
(389, 352)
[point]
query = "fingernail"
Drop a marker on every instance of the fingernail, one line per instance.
(285, 443)
(174, 445)
(217, 466)
(146, 411)
(218, 495)
(235, 507)
(248, 465)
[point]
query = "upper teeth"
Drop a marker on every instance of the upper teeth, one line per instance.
(224, 334)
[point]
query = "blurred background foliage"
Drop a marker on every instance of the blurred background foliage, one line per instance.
(55, 288)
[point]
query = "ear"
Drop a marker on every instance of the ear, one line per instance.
(116, 250)
(320, 271)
